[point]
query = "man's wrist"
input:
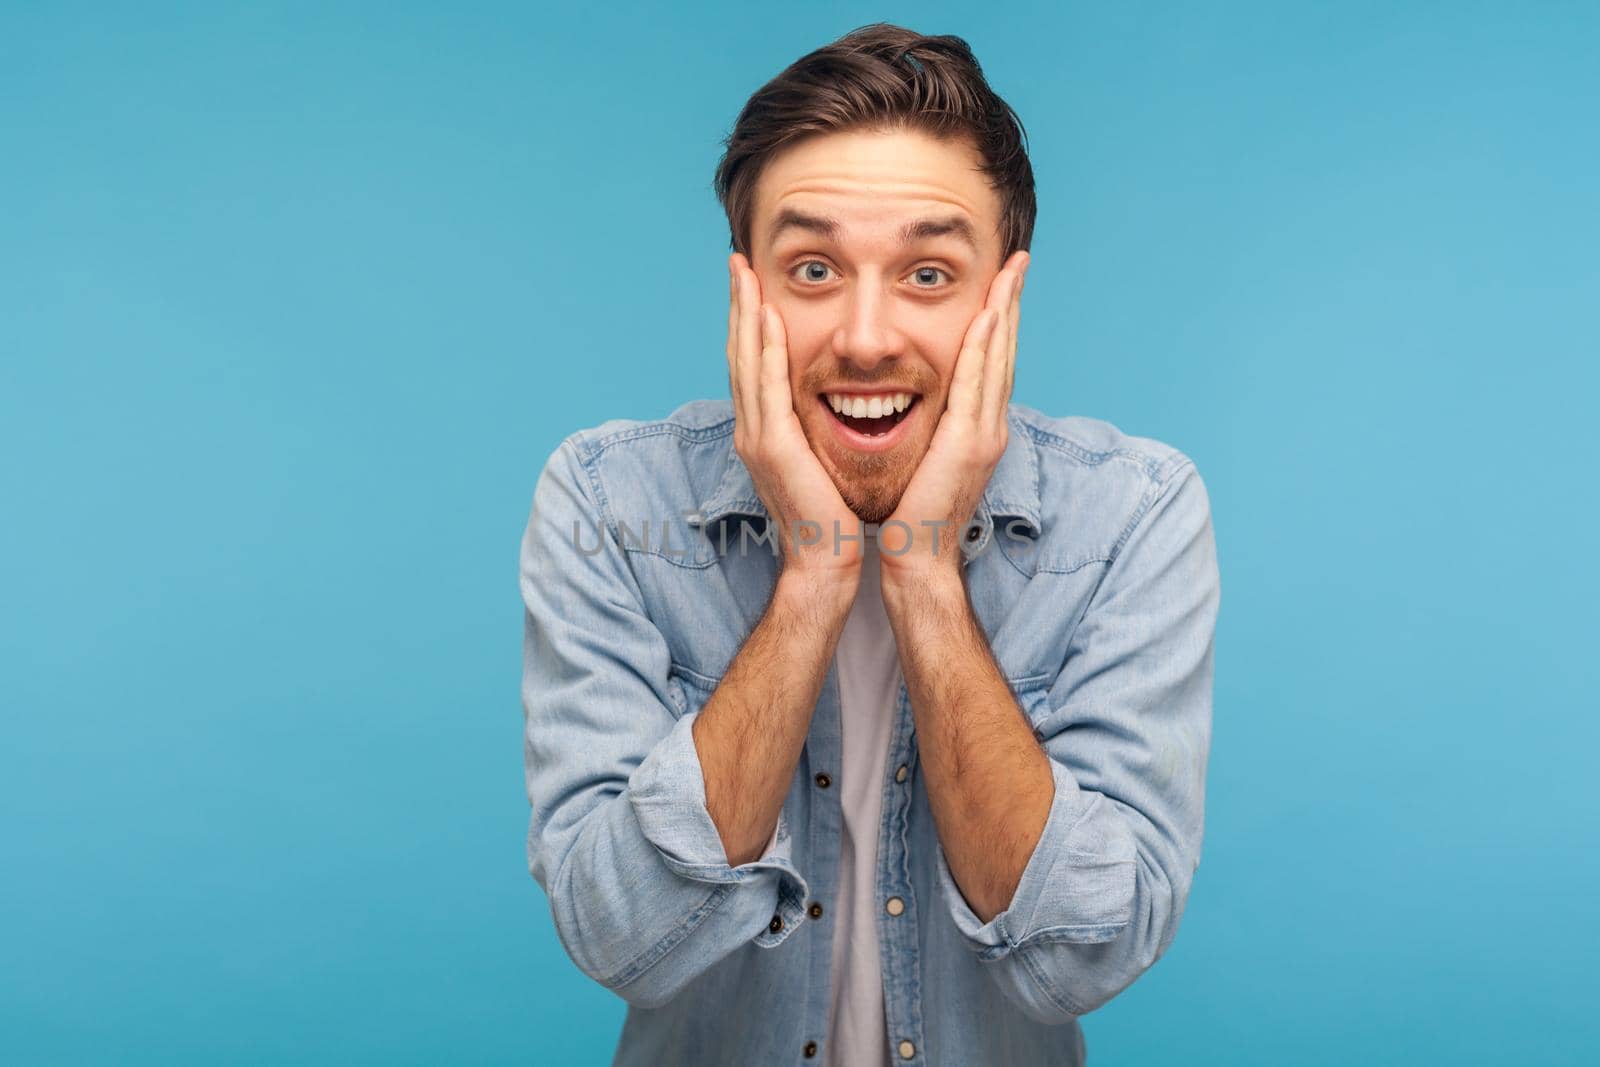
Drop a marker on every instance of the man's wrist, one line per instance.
(824, 592)
(934, 585)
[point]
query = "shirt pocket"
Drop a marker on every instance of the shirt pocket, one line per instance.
(699, 611)
(689, 689)
(1033, 697)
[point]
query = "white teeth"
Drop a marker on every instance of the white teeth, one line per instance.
(868, 407)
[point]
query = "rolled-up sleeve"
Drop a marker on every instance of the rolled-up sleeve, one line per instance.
(1127, 727)
(619, 837)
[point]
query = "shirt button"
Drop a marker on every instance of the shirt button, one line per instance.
(823, 781)
(894, 906)
(776, 924)
(815, 911)
(907, 1050)
(973, 533)
(810, 1050)
(900, 773)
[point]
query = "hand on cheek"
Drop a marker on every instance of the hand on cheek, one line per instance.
(966, 445)
(803, 505)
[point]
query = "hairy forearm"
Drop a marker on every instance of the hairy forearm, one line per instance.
(750, 732)
(989, 783)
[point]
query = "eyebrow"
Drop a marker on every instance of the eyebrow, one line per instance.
(910, 233)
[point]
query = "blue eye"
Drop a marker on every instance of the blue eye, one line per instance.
(816, 272)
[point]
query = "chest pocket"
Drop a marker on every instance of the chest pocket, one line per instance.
(1033, 696)
(688, 689)
(704, 605)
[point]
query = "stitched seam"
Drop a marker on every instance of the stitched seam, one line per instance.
(743, 506)
(1046, 986)
(1073, 935)
(705, 681)
(1093, 805)
(656, 952)
(677, 561)
(721, 872)
(1006, 509)
(1154, 493)
(1068, 446)
(700, 434)
(697, 435)
(1074, 568)
(688, 565)
(586, 459)
(591, 467)
(1006, 555)
(1085, 854)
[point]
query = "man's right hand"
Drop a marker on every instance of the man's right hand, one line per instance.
(750, 733)
(802, 502)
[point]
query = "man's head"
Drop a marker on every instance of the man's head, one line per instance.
(876, 186)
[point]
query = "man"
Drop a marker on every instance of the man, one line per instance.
(868, 713)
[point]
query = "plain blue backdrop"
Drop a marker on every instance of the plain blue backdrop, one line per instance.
(295, 301)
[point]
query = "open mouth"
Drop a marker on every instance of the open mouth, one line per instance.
(871, 415)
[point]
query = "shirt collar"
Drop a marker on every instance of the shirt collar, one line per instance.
(1012, 492)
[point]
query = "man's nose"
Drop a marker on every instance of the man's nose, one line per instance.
(867, 335)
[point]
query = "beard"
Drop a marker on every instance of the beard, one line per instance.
(870, 483)
(873, 496)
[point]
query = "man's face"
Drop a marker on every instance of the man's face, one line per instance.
(868, 312)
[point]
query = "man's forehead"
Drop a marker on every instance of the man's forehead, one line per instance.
(876, 185)
(921, 222)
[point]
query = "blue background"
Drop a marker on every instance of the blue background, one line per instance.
(295, 302)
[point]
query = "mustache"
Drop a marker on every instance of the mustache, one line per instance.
(842, 377)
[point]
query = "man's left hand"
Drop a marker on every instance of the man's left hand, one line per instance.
(967, 443)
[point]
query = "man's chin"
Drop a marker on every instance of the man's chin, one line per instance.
(874, 499)
(873, 514)
(871, 506)
(870, 483)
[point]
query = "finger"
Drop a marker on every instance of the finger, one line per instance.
(1016, 322)
(967, 381)
(733, 341)
(999, 293)
(776, 403)
(997, 352)
(749, 357)
(996, 299)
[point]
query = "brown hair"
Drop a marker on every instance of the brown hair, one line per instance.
(881, 77)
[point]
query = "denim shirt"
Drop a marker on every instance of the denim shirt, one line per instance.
(1094, 578)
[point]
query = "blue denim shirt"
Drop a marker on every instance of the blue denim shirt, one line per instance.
(1095, 580)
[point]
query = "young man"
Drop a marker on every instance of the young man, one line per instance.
(868, 713)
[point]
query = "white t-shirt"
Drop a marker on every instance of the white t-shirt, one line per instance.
(869, 683)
